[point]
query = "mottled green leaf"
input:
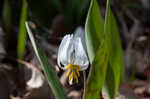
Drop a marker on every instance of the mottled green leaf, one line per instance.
(97, 73)
(107, 35)
(97, 51)
(48, 69)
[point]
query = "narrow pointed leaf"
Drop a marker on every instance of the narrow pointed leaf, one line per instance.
(118, 48)
(22, 31)
(49, 71)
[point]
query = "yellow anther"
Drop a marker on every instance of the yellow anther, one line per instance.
(78, 73)
(68, 72)
(73, 71)
(68, 66)
(76, 67)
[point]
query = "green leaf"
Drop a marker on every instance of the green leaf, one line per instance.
(97, 74)
(107, 66)
(48, 69)
(94, 29)
(97, 51)
(117, 47)
(6, 15)
(115, 65)
(22, 32)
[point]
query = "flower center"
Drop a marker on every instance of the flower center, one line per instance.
(73, 72)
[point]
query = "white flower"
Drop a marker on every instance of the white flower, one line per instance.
(72, 54)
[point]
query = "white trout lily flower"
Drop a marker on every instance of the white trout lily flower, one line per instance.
(72, 54)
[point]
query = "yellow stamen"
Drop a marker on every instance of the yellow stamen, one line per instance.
(78, 73)
(68, 66)
(75, 76)
(68, 72)
(76, 67)
(73, 71)
(71, 75)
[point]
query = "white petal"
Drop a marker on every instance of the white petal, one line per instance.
(65, 51)
(36, 80)
(79, 33)
(72, 50)
(81, 58)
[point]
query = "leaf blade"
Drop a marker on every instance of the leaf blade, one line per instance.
(98, 73)
(49, 71)
(94, 28)
(22, 33)
(116, 57)
(97, 51)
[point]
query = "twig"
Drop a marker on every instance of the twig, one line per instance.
(29, 65)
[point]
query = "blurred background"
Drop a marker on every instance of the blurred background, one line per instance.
(50, 21)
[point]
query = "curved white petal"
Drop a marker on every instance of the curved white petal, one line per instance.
(79, 33)
(65, 51)
(72, 50)
(81, 58)
(36, 80)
